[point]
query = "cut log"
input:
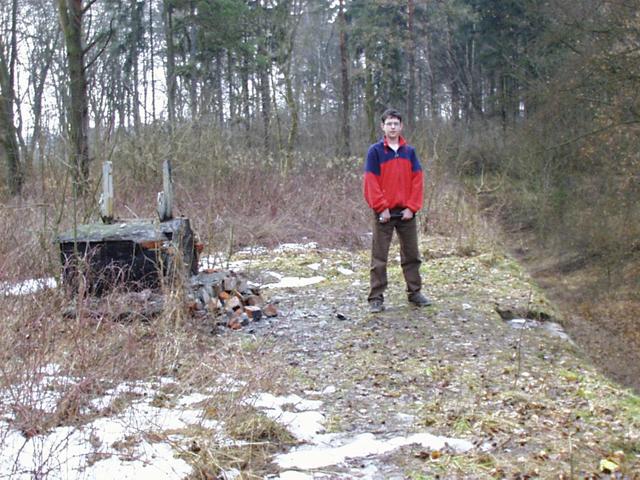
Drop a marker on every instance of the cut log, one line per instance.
(233, 303)
(270, 310)
(254, 313)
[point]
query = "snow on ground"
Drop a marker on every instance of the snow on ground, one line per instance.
(132, 444)
(293, 282)
(334, 449)
(304, 419)
(144, 440)
(224, 260)
(26, 287)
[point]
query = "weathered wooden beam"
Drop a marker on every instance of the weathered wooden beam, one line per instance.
(165, 198)
(106, 198)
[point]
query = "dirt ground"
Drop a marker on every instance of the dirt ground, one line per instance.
(326, 390)
(599, 309)
(530, 402)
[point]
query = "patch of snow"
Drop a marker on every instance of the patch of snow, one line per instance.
(277, 275)
(295, 247)
(193, 399)
(556, 330)
(159, 463)
(213, 261)
(131, 444)
(324, 450)
(231, 474)
(70, 453)
(253, 250)
(519, 323)
(267, 400)
(345, 271)
(293, 282)
(314, 266)
(51, 369)
(302, 425)
(362, 445)
(405, 418)
(26, 287)
(305, 422)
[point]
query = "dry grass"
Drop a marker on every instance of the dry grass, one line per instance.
(233, 201)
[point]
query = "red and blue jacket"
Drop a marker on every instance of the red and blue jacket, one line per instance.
(393, 179)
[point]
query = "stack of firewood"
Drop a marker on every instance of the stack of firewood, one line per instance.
(225, 294)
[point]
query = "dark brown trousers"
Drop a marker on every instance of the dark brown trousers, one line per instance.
(407, 232)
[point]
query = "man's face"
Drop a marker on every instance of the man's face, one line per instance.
(392, 127)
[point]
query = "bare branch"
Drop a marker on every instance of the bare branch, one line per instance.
(87, 7)
(109, 34)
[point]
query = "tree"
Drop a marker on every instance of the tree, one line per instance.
(9, 139)
(286, 20)
(170, 61)
(8, 131)
(71, 20)
(411, 53)
(345, 130)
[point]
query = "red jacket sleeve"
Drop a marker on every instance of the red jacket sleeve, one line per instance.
(414, 203)
(373, 193)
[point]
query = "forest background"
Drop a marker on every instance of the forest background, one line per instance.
(526, 110)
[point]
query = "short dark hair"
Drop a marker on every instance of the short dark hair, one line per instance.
(391, 112)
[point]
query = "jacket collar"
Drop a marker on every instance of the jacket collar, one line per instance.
(401, 142)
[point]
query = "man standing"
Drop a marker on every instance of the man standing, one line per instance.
(393, 188)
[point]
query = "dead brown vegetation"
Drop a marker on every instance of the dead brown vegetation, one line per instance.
(233, 201)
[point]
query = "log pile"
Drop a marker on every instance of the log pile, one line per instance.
(226, 295)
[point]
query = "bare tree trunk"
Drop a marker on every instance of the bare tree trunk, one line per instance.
(345, 131)
(292, 104)
(137, 14)
(369, 97)
(193, 62)
(293, 111)
(233, 114)
(246, 120)
(40, 74)
(274, 101)
(8, 130)
(8, 133)
(411, 54)
(170, 62)
(152, 63)
(218, 84)
(434, 105)
(265, 98)
(476, 80)
(454, 85)
(71, 16)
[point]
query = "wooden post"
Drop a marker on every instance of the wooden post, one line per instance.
(106, 198)
(165, 198)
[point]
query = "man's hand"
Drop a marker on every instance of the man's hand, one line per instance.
(384, 216)
(407, 214)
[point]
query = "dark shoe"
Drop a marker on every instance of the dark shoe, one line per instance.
(419, 300)
(376, 306)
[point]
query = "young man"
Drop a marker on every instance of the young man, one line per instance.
(393, 185)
